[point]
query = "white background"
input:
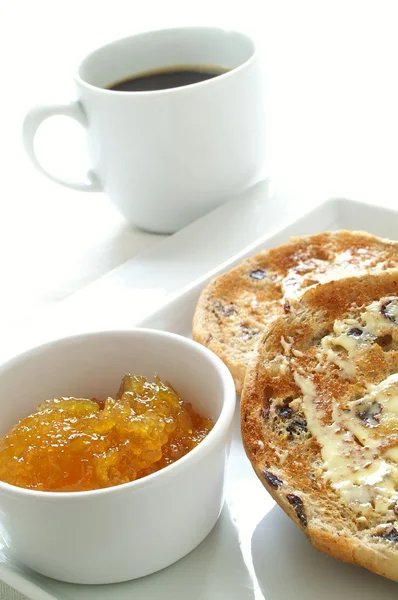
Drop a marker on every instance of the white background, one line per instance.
(332, 107)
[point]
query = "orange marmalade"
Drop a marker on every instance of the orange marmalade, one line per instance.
(75, 444)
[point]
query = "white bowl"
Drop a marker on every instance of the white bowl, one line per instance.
(127, 531)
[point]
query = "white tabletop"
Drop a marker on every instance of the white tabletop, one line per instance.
(332, 112)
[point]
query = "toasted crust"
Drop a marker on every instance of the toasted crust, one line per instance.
(284, 452)
(234, 308)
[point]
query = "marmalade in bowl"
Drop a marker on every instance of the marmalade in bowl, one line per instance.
(76, 444)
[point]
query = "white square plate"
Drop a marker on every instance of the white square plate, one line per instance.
(255, 551)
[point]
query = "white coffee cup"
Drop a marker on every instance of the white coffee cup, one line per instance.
(167, 157)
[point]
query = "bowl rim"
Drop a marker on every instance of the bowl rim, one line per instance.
(203, 448)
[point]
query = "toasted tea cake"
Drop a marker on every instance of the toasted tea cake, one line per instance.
(319, 418)
(235, 307)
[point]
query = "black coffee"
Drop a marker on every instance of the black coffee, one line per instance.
(164, 79)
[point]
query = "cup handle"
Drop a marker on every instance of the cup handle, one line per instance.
(32, 122)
